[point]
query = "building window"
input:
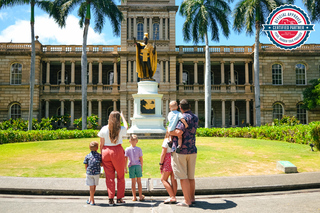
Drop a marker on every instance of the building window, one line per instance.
(277, 111)
(15, 111)
(65, 77)
(185, 78)
(276, 74)
(140, 31)
(300, 74)
(156, 31)
(110, 78)
(212, 78)
(301, 114)
(235, 77)
(236, 116)
(16, 73)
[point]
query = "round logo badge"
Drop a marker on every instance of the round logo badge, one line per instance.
(288, 27)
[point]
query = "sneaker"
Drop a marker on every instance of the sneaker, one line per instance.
(170, 144)
(178, 149)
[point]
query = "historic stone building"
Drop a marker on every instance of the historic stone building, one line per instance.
(112, 78)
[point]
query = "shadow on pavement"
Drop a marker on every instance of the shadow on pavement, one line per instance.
(144, 204)
(215, 206)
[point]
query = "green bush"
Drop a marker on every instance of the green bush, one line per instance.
(92, 122)
(14, 136)
(286, 120)
(20, 124)
(315, 133)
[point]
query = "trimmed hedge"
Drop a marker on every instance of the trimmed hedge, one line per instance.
(14, 136)
(295, 134)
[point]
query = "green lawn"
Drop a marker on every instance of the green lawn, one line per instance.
(216, 157)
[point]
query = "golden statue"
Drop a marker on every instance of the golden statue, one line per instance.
(146, 58)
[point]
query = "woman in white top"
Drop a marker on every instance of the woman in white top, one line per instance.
(166, 171)
(113, 155)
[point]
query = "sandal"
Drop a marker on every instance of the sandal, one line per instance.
(120, 201)
(141, 198)
(183, 204)
(134, 199)
(111, 202)
(170, 201)
(88, 202)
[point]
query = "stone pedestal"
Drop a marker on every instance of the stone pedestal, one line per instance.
(147, 117)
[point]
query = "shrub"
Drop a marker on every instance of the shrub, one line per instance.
(286, 120)
(315, 133)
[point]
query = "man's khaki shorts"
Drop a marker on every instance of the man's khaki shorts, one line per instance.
(183, 166)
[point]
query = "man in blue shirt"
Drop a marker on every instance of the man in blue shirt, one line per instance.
(184, 163)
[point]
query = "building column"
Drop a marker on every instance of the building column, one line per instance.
(246, 67)
(129, 30)
(115, 73)
(232, 72)
(71, 112)
(129, 71)
(100, 73)
(195, 72)
(62, 107)
(247, 111)
(196, 107)
(166, 28)
(48, 73)
(254, 113)
(150, 29)
(63, 72)
(134, 72)
(145, 25)
(233, 113)
(134, 26)
(114, 105)
(222, 72)
(181, 72)
(223, 104)
(161, 29)
(253, 73)
(161, 71)
(89, 107)
(90, 72)
(73, 70)
(47, 108)
(167, 71)
(99, 111)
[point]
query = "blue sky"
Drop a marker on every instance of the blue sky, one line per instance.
(15, 27)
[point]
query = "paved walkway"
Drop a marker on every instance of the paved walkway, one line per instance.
(154, 187)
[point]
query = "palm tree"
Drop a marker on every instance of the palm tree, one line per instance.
(203, 16)
(101, 8)
(313, 7)
(246, 14)
(46, 6)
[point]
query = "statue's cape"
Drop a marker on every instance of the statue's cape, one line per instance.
(153, 61)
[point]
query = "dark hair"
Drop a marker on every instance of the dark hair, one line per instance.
(184, 104)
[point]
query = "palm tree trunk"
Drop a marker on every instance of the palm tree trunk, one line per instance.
(207, 86)
(84, 74)
(256, 75)
(32, 69)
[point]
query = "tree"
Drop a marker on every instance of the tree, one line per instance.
(101, 8)
(203, 16)
(46, 6)
(311, 95)
(246, 14)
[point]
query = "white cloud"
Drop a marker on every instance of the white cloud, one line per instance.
(3, 15)
(50, 33)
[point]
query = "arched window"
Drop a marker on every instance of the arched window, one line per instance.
(300, 74)
(110, 77)
(276, 74)
(301, 114)
(235, 77)
(155, 31)
(185, 77)
(277, 112)
(16, 73)
(140, 31)
(15, 111)
(65, 77)
(236, 116)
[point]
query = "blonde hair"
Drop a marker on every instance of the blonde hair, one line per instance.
(93, 145)
(167, 135)
(114, 126)
(173, 104)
